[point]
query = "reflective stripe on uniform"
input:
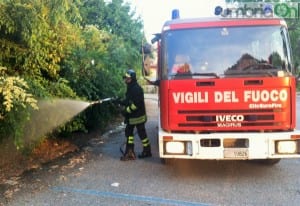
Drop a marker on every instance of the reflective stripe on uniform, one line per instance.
(146, 142)
(131, 108)
(138, 120)
(130, 140)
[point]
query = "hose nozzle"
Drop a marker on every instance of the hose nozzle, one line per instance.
(96, 102)
(100, 101)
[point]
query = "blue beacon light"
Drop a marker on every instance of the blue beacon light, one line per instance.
(175, 14)
(218, 10)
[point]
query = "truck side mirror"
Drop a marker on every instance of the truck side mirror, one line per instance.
(149, 69)
(146, 52)
(297, 74)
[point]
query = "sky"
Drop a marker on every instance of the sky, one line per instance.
(155, 12)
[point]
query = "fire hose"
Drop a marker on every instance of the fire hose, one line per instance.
(100, 101)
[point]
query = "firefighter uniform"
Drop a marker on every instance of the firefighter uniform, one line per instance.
(135, 117)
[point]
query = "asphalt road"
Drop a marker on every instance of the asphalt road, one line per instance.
(104, 180)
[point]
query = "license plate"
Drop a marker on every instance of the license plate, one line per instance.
(237, 153)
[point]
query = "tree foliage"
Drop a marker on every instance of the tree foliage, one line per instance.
(64, 49)
(294, 31)
(14, 98)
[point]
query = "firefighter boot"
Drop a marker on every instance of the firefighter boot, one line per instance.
(146, 152)
(129, 153)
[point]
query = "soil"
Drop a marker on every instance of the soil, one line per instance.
(53, 152)
(14, 163)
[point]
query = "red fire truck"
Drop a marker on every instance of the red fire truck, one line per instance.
(227, 90)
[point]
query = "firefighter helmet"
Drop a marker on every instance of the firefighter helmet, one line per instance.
(130, 73)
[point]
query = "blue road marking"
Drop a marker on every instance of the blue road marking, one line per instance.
(128, 196)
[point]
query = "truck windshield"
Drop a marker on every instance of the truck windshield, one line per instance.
(226, 51)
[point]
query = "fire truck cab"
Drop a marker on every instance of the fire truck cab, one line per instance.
(227, 90)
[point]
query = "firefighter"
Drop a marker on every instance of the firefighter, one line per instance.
(135, 116)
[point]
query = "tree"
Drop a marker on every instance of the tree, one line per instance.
(65, 49)
(111, 41)
(294, 30)
(33, 40)
(117, 19)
